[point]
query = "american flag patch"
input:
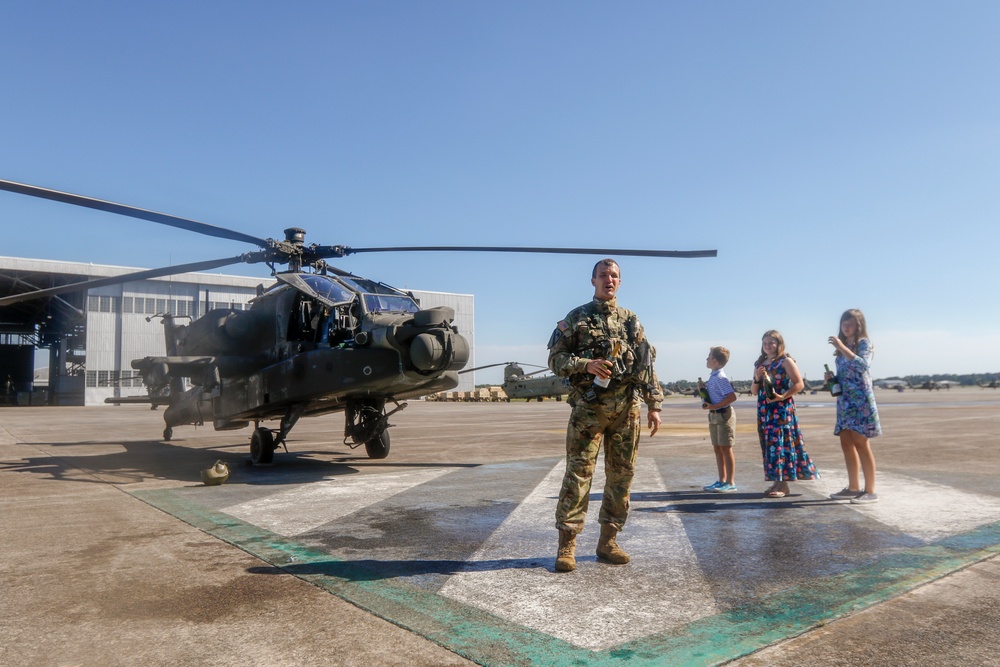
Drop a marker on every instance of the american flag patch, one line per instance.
(562, 325)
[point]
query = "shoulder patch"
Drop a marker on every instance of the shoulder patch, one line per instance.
(562, 325)
(554, 338)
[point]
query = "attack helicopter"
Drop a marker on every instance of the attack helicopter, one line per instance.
(320, 340)
(518, 384)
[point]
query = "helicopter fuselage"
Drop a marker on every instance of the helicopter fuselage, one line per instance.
(310, 345)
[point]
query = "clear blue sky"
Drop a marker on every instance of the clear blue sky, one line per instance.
(837, 154)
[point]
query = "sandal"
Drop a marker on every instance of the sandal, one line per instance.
(774, 493)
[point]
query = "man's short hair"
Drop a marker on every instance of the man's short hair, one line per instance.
(607, 261)
(720, 354)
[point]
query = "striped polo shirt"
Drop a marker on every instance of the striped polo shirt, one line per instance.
(718, 386)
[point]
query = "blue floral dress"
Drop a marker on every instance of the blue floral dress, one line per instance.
(856, 408)
(785, 458)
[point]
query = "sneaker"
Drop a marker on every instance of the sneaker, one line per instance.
(865, 498)
(712, 487)
(846, 494)
(725, 488)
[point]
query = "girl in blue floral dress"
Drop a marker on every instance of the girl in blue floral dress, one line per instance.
(857, 415)
(785, 458)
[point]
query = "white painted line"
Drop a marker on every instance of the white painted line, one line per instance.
(308, 506)
(598, 605)
(921, 509)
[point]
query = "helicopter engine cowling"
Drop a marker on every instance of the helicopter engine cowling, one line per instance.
(427, 341)
(220, 331)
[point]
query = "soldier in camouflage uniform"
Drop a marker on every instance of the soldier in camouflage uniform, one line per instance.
(602, 341)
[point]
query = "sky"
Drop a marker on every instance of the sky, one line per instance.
(836, 154)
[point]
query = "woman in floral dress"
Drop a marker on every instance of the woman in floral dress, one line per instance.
(857, 415)
(785, 458)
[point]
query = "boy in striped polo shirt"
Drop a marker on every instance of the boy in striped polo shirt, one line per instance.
(721, 420)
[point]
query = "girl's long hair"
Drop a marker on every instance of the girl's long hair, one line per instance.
(862, 332)
(779, 353)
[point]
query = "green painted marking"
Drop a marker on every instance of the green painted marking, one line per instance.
(492, 641)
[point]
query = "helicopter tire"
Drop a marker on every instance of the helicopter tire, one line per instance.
(261, 446)
(168, 433)
(378, 447)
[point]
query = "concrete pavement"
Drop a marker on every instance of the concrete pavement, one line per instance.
(444, 549)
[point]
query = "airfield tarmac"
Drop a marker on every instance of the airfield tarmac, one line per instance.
(114, 553)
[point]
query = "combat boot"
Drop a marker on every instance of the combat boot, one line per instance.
(566, 558)
(608, 549)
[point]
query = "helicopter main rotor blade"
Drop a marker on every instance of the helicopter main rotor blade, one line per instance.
(502, 363)
(117, 280)
(528, 375)
(341, 251)
(131, 211)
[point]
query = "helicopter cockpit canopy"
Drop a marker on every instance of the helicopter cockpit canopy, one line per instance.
(321, 288)
(336, 291)
(380, 298)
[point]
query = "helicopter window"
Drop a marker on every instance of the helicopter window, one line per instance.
(328, 288)
(370, 286)
(303, 324)
(342, 324)
(377, 303)
(380, 297)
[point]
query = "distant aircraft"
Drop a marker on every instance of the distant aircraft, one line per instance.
(931, 385)
(518, 384)
(898, 385)
(672, 388)
(992, 384)
(813, 387)
(742, 387)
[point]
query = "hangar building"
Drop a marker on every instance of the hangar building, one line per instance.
(93, 337)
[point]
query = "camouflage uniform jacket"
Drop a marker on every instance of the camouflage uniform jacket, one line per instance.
(591, 332)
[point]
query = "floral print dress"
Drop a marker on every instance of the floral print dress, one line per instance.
(785, 458)
(856, 408)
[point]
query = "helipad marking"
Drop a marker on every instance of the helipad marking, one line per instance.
(921, 509)
(305, 507)
(589, 616)
(492, 640)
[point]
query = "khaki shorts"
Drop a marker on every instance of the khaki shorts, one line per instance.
(722, 427)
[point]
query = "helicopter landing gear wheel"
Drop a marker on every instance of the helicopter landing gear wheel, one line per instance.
(168, 433)
(378, 447)
(261, 446)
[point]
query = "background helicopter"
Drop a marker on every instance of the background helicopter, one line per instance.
(320, 340)
(518, 384)
(934, 385)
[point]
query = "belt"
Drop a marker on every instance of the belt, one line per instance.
(720, 410)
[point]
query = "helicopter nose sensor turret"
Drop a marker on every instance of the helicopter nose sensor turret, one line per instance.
(439, 351)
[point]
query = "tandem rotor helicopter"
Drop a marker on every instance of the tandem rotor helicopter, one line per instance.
(518, 384)
(320, 340)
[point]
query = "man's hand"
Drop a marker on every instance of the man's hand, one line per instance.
(654, 422)
(600, 368)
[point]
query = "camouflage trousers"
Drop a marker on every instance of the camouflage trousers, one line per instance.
(614, 421)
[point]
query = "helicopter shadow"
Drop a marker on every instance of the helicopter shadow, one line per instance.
(704, 503)
(376, 570)
(137, 461)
